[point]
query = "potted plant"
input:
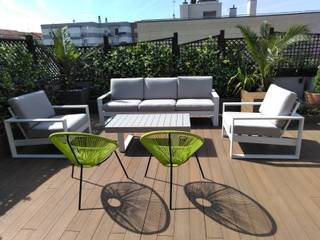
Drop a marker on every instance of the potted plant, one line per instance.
(313, 98)
(68, 60)
(266, 50)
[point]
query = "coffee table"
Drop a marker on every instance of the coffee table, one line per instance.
(135, 123)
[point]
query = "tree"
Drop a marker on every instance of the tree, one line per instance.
(66, 56)
(267, 47)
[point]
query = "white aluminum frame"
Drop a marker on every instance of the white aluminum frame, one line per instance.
(264, 139)
(14, 143)
(214, 115)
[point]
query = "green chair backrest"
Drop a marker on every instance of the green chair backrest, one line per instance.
(174, 147)
(83, 149)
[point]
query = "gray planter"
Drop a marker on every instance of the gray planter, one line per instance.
(4, 149)
(74, 96)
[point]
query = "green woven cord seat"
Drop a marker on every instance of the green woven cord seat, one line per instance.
(83, 149)
(183, 146)
(172, 149)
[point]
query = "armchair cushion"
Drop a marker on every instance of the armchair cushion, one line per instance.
(126, 88)
(250, 127)
(125, 105)
(32, 105)
(44, 129)
(157, 105)
(195, 105)
(160, 88)
(194, 87)
(278, 102)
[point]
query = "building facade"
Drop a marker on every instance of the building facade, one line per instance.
(195, 29)
(91, 33)
(201, 9)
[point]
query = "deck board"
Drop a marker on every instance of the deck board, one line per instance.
(38, 198)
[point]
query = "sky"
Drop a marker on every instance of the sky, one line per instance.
(28, 15)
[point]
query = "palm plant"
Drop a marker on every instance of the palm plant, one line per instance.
(317, 81)
(66, 56)
(267, 49)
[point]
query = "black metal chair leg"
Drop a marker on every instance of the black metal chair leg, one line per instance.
(125, 172)
(80, 186)
(171, 173)
(145, 175)
(171, 170)
(200, 166)
(72, 171)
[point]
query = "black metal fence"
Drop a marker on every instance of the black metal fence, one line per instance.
(303, 57)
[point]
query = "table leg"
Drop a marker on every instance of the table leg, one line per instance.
(122, 147)
(123, 143)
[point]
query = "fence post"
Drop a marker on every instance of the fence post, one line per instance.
(272, 30)
(221, 41)
(106, 44)
(175, 52)
(31, 46)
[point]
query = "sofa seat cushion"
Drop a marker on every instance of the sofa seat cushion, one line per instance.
(194, 87)
(160, 88)
(157, 105)
(126, 88)
(125, 105)
(250, 127)
(44, 129)
(195, 105)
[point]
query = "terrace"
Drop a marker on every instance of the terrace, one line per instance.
(252, 199)
(237, 199)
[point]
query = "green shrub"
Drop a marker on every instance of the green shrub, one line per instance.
(18, 75)
(141, 60)
(317, 81)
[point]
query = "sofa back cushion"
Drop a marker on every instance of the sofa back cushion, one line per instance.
(32, 105)
(278, 102)
(126, 88)
(194, 87)
(160, 88)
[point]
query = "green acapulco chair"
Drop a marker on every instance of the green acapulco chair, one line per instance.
(85, 150)
(172, 149)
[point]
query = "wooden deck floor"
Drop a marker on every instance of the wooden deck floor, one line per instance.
(240, 200)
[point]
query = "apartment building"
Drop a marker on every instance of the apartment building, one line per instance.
(91, 33)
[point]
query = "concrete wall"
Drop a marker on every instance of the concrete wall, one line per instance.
(190, 30)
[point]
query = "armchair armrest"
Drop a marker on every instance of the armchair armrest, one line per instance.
(85, 107)
(229, 104)
(70, 106)
(37, 120)
(294, 117)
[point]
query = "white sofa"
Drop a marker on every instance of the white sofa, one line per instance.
(193, 95)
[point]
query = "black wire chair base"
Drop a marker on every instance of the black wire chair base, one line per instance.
(81, 178)
(171, 176)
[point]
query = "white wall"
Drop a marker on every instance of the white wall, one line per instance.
(191, 30)
(195, 11)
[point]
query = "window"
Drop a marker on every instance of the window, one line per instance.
(210, 14)
(116, 31)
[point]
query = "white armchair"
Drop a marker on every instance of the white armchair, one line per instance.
(266, 126)
(36, 118)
